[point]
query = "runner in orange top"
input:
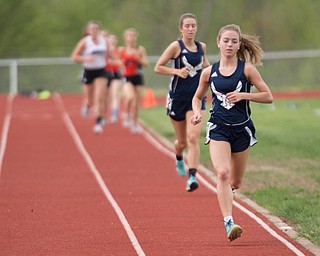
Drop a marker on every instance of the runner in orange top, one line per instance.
(114, 69)
(134, 57)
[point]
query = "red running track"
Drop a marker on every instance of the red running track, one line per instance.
(67, 191)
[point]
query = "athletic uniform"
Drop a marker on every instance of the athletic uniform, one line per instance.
(95, 68)
(113, 71)
(132, 68)
(182, 90)
(230, 122)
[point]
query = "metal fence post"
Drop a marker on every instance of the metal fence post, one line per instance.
(13, 77)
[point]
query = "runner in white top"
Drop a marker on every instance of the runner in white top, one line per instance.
(91, 50)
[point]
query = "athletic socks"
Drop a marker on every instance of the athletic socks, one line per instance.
(192, 171)
(179, 158)
(99, 120)
(227, 218)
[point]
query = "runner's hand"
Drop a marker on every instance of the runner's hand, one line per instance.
(183, 72)
(196, 118)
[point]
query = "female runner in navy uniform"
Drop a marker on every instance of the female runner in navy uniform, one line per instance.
(189, 57)
(230, 130)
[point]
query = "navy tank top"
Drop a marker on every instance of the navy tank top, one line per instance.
(222, 110)
(184, 89)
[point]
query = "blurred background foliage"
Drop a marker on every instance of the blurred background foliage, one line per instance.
(43, 29)
(37, 28)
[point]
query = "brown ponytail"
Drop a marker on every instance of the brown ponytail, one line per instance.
(250, 49)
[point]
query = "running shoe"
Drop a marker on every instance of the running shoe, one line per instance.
(181, 169)
(135, 129)
(85, 111)
(103, 122)
(97, 128)
(192, 183)
(126, 122)
(234, 231)
(113, 119)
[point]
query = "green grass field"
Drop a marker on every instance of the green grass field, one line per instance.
(283, 173)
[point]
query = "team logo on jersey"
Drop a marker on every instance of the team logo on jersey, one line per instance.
(223, 98)
(214, 74)
(98, 51)
(192, 70)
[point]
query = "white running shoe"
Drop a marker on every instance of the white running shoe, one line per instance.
(113, 119)
(233, 230)
(97, 128)
(126, 123)
(85, 111)
(135, 129)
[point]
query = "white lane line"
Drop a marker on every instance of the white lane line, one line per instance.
(98, 177)
(5, 129)
(265, 226)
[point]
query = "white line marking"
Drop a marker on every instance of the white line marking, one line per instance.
(168, 152)
(5, 129)
(98, 177)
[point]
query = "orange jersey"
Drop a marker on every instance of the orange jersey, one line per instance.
(112, 67)
(131, 63)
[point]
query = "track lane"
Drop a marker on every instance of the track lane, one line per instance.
(50, 202)
(37, 217)
(166, 219)
(5, 112)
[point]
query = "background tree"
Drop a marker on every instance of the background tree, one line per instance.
(36, 28)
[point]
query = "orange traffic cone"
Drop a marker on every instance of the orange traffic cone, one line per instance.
(149, 99)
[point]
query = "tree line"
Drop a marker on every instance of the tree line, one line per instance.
(37, 28)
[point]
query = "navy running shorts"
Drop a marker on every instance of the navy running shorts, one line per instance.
(240, 137)
(177, 109)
